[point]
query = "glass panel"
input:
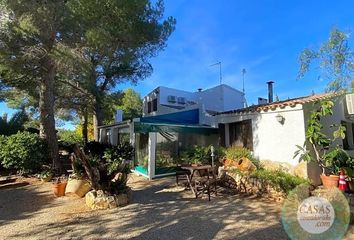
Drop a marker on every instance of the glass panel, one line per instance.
(166, 152)
(142, 150)
(124, 135)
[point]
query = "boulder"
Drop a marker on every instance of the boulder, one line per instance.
(300, 170)
(277, 166)
(100, 200)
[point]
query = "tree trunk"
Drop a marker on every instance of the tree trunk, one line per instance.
(46, 109)
(97, 118)
(92, 173)
(85, 126)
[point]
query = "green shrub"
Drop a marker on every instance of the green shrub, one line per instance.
(235, 153)
(282, 181)
(200, 155)
(96, 148)
(115, 156)
(22, 151)
(68, 137)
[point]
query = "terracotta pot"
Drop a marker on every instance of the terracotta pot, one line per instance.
(59, 189)
(330, 181)
(77, 187)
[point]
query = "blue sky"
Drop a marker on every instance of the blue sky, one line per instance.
(265, 37)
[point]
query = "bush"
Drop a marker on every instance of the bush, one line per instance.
(110, 163)
(96, 148)
(68, 137)
(235, 153)
(200, 155)
(116, 156)
(22, 151)
(282, 181)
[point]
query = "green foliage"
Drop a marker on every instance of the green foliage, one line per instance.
(338, 159)
(15, 124)
(320, 142)
(132, 105)
(22, 151)
(200, 155)
(116, 156)
(280, 180)
(111, 163)
(68, 137)
(235, 153)
(95, 148)
(334, 58)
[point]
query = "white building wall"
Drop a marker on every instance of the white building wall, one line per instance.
(233, 99)
(218, 99)
(275, 141)
(271, 139)
(221, 98)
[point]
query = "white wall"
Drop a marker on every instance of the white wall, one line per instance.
(271, 139)
(233, 99)
(220, 98)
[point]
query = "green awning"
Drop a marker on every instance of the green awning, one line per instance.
(140, 127)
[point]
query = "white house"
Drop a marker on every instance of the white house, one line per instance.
(273, 130)
(174, 120)
(163, 100)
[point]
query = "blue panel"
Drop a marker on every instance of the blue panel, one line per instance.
(185, 117)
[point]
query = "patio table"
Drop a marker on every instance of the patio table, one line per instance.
(193, 184)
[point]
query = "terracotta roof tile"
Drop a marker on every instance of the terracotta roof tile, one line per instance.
(282, 104)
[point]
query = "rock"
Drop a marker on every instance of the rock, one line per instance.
(300, 170)
(99, 200)
(90, 198)
(275, 166)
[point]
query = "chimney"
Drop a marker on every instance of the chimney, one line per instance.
(119, 116)
(270, 91)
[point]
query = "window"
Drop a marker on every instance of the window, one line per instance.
(154, 105)
(241, 134)
(149, 107)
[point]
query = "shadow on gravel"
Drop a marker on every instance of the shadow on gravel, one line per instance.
(19, 201)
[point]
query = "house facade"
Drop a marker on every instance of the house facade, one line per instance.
(273, 130)
(174, 120)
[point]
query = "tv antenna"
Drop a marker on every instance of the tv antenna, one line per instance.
(218, 63)
(243, 87)
(243, 80)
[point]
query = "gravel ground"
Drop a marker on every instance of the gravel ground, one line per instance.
(159, 211)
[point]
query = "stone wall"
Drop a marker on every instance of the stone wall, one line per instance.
(249, 185)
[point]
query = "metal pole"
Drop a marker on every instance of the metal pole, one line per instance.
(212, 155)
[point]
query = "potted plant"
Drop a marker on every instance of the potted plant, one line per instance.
(317, 145)
(59, 186)
(77, 186)
(350, 177)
